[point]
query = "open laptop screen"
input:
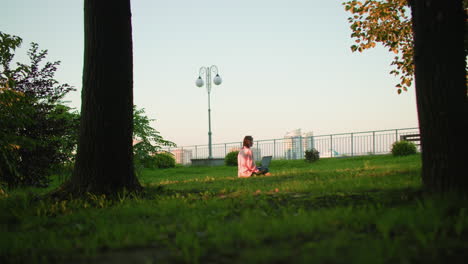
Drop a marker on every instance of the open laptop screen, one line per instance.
(266, 161)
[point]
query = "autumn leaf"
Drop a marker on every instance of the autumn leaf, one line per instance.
(386, 22)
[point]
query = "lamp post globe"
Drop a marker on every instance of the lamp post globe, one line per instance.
(217, 80)
(199, 82)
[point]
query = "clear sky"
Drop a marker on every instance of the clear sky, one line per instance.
(284, 64)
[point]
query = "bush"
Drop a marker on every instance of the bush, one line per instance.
(403, 148)
(164, 160)
(231, 158)
(37, 132)
(312, 155)
(161, 160)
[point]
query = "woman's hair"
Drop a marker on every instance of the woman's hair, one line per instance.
(247, 141)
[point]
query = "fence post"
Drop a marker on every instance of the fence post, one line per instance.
(373, 142)
(331, 146)
(396, 134)
(352, 145)
(196, 153)
(274, 148)
(225, 150)
(182, 160)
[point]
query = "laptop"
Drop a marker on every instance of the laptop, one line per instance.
(265, 162)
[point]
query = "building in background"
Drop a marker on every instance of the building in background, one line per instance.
(308, 139)
(182, 156)
(296, 143)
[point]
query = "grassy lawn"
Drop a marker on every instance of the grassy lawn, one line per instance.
(342, 210)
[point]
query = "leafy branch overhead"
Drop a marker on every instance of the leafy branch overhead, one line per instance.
(386, 22)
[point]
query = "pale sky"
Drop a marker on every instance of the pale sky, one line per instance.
(284, 64)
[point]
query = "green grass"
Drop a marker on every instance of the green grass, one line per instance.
(343, 210)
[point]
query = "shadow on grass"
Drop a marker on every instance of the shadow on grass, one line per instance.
(383, 197)
(307, 200)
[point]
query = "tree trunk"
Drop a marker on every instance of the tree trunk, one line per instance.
(104, 161)
(441, 93)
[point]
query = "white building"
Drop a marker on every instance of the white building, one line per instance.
(182, 156)
(296, 143)
(308, 140)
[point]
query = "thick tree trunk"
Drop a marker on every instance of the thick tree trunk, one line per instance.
(441, 93)
(104, 161)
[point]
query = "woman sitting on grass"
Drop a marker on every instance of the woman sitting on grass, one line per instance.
(245, 161)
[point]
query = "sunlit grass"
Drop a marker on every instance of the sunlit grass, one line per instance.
(360, 210)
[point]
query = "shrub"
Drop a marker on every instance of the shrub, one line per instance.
(164, 160)
(231, 158)
(35, 126)
(311, 155)
(403, 148)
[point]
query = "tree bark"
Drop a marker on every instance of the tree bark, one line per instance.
(104, 161)
(441, 93)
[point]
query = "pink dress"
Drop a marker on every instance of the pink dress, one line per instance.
(245, 163)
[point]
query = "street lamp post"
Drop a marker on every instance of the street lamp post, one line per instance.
(199, 82)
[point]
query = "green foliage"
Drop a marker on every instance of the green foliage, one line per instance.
(8, 45)
(163, 160)
(312, 155)
(37, 131)
(66, 124)
(14, 116)
(54, 133)
(403, 148)
(149, 142)
(231, 158)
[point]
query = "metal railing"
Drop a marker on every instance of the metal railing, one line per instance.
(333, 145)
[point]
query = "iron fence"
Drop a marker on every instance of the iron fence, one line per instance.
(333, 145)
